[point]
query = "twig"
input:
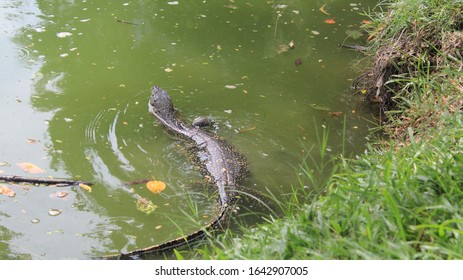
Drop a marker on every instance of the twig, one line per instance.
(126, 22)
(137, 182)
(354, 47)
(276, 21)
(40, 180)
(246, 129)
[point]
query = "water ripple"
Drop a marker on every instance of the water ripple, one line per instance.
(24, 54)
(93, 127)
(114, 143)
(101, 133)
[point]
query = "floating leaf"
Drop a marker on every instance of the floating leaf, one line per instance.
(322, 9)
(156, 186)
(280, 6)
(32, 141)
(60, 194)
(30, 167)
(7, 191)
(282, 48)
(54, 212)
(335, 114)
(85, 187)
(330, 21)
(354, 34)
(246, 129)
(291, 44)
(63, 34)
(232, 7)
(144, 205)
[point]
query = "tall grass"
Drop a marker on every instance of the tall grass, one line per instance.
(396, 204)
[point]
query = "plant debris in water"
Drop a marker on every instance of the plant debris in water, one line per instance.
(85, 187)
(54, 212)
(145, 205)
(30, 168)
(7, 191)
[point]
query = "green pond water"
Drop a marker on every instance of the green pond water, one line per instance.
(74, 86)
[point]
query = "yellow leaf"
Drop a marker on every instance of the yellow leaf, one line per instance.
(30, 168)
(330, 21)
(156, 186)
(7, 191)
(85, 187)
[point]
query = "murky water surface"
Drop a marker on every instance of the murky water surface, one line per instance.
(74, 86)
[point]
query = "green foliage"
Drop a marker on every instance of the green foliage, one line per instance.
(395, 204)
(426, 19)
(411, 42)
(399, 200)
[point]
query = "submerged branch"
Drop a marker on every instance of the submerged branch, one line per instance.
(354, 47)
(40, 180)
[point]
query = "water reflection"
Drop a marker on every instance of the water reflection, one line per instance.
(90, 66)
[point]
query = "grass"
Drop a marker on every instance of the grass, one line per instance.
(391, 204)
(402, 198)
(412, 39)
